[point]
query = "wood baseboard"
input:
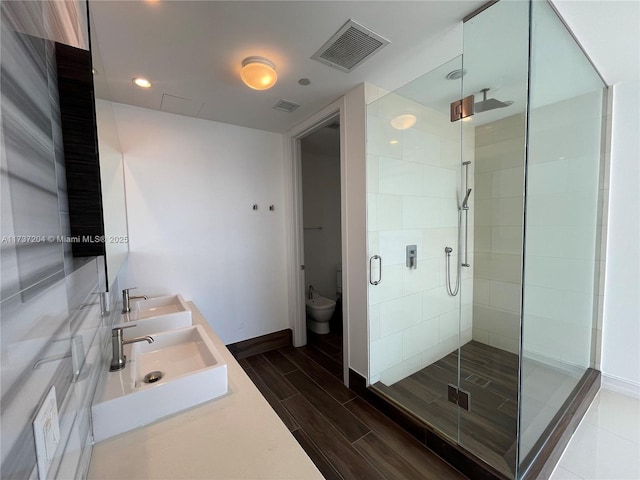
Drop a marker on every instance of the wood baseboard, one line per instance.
(261, 344)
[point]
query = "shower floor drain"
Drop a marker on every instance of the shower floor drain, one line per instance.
(153, 377)
(478, 380)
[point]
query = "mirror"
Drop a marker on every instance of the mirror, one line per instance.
(111, 170)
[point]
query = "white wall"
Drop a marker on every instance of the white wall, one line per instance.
(561, 230)
(354, 226)
(621, 326)
(190, 186)
(113, 194)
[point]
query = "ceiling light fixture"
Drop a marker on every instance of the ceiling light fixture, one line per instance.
(258, 73)
(402, 122)
(142, 82)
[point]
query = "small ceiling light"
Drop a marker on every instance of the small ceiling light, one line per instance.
(456, 74)
(258, 73)
(142, 82)
(394, 142)
(304, 81)
(402, 122)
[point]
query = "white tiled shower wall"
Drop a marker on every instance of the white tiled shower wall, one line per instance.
(412, 199)
(499, 181)
(562, 227)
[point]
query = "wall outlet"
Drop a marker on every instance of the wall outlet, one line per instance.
(46, 431)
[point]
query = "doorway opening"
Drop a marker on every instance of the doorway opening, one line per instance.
(321, 186)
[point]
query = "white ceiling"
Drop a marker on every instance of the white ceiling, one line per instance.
(191, 51)
(609, 31)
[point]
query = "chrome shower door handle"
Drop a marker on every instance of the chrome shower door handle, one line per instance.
(371, 260)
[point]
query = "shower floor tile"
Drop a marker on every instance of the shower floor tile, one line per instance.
(490, 376)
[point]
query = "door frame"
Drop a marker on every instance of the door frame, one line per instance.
(295, 232)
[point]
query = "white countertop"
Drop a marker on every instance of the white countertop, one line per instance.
(236, 436)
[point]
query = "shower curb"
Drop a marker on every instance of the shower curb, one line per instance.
(550, 447)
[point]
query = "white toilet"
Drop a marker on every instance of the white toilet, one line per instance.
(320, 309)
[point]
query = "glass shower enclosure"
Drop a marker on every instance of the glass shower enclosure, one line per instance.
(483, 222)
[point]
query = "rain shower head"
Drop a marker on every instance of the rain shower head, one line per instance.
(489, 104)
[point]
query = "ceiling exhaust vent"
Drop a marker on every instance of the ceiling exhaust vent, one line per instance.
(349, 47)
(286, 106)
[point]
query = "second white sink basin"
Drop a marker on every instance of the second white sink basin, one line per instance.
(155, 307)
(156, 315)
(182, 369)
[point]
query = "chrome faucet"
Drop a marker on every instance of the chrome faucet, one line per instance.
(119, 360)
(126, 306)
(310, 292)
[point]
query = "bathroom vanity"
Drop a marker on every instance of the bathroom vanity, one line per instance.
(236, 436)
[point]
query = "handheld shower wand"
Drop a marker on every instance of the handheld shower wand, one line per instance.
(465, 202)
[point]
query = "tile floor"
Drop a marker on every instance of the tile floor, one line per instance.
(606, 445)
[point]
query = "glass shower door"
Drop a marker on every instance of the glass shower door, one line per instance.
(413, 193)
(496, 62)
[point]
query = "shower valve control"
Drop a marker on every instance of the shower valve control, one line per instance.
(412, 256)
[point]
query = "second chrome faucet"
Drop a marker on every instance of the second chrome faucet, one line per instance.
(126, 306)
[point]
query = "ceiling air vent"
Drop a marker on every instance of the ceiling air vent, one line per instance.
(349, 47)
(286, 106)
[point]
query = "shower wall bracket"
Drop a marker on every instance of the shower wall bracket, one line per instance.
(462, 108)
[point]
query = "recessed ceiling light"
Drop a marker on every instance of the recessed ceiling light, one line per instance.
(142, 82)
(456, 74)
(304, 81)
(258, 73)
(394, 142)
(402, 122)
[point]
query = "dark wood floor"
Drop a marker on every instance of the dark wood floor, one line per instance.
(344, 436)
(490, 375)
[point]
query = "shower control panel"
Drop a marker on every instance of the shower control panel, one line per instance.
(412, 256)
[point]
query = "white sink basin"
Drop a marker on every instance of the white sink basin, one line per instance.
(156, 315)
(193, 372)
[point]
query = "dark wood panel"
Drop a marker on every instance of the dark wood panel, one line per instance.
(276, 382)
(279, 361)
(340, 417)
(80, 140)
(261, 344)
(350, 464)
(282, 412)
(329, 382)
(326, 469)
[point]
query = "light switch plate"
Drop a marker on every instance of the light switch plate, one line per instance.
(46, 431)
